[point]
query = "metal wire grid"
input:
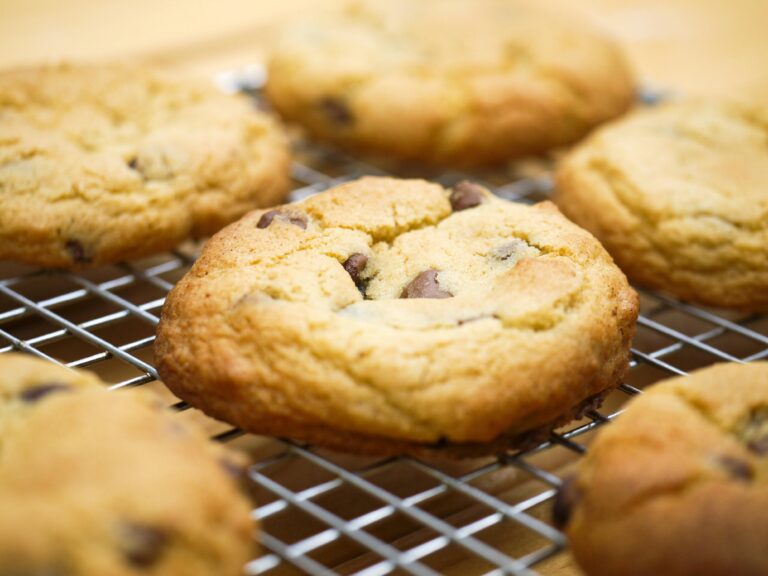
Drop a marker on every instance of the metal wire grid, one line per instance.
(325, 513)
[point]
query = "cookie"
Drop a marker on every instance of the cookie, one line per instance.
(111, 162)
(678, 196)
(392, 316)
(95, 482)
(678, 484)
(451, 82)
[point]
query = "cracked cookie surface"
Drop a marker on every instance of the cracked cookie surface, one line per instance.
(678, 484)
(95, 482)
(677, 194)
(459, 82)
(395, 316)
(111, 162)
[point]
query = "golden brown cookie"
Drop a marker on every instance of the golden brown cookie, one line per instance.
(96, 483)
(457, 82)
(112, 162)
(678, 484)
(394, 316)
(677, 194)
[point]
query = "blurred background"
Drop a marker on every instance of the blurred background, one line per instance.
(695, 46)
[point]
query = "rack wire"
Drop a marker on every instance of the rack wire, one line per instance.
(326, 513)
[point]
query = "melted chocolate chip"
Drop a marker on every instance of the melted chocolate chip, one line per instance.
(336, 110)
(737, 468)
(466, 195)
(296, 219)
(36, 393)
(354, 265)
(508, 249)
(759, 445)
(142, 545)
(425, 285)
(77, 252)
(566, 499)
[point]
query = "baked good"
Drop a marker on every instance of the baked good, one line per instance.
(678, 484)
(95, 482)
(452, 82)
(117, 161)
(677, 194)
(392, 316)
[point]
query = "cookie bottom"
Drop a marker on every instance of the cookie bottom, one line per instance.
(363, 444)
(369, 445)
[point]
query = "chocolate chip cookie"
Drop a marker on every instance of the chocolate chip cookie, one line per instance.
(678, 484)
(678, 196)
(456, 82)
(392, 316)
(96, 483)
(112, 162)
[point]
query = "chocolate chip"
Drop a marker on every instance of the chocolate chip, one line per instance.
(354, 265)
(142, 545)
(566, 499)
(266, 218)
(759, 445)
(442, 442)
(425, 285)
(466, 195)
(508, 249)
(336, 110)
(77, 252)
(737, 468)
(133, 163)
(36, 393)
(296, 219)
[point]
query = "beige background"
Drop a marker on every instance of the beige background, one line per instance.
(695, 46)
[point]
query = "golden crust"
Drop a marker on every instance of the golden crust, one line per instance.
(112, 162)
(95, 482)
(677, 484)
(269, 331)
(677, 195)
(451, 82)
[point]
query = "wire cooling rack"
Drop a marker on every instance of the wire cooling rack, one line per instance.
(326, 513)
